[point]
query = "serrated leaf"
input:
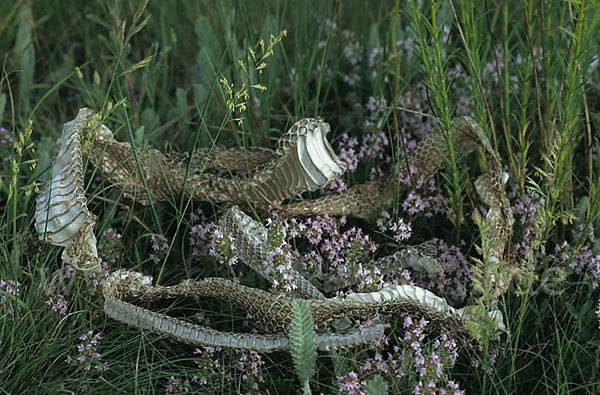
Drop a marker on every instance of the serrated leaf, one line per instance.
(202, 75)
(206, 38)
(149, 119)
(376, 386)
(139, 135)
(302, 341)
(66, 66)
(209, 54)
(44, 149)
(340, 363)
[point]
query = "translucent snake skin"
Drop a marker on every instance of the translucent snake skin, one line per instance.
(303, 161)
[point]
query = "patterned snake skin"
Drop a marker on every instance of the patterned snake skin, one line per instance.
(303, 161)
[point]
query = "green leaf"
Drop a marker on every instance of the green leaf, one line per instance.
(2, 105)
(302, 342)
(209, 54)
(580, 211)
(340, 363)
(570, 34)
(26, 52)
(139, 135)
(269, 27)
(373, 42)
(149, 119)
(572, 310)
(139, 65)
(181, 104)
(106, 25)
(45, 149)
(64, 68)
(376, 386)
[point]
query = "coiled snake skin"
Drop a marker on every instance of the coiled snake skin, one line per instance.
(303, 161)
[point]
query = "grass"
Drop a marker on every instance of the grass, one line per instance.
(381, 72)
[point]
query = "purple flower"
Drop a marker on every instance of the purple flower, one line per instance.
(337, 185)
(10, 287)
(202, 235)
(347, 153)
(177, 385)
(88, 356)
(279, 260)
(97, 279)
(110, 246)
(248, 367)
(582, 261)
(58, 304)
(402, 230)
(413, 359)
(159, 248)
(350, 384)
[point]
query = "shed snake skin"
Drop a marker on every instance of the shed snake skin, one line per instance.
(303, 161)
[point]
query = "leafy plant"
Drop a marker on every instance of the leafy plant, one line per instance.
(302, 343)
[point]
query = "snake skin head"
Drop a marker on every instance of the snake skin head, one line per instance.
(314, 153)
(304, 161)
